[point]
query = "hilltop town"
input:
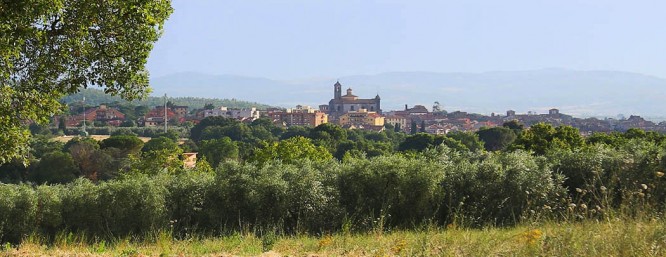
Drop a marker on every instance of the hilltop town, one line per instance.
(346, 110)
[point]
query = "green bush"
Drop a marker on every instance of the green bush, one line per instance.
(186, 203)
(132, 206)
(18, 212)
(394, 188)
(500, 189)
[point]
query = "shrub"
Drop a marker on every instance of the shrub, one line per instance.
(18, 212)
(406, 189)
(186, 203)
(499, 189)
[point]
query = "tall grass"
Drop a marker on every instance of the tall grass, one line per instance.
(590, 238)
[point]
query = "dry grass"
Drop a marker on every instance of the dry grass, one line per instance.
(610, 238)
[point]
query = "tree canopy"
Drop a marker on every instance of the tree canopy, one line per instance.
(496, 138)
(50, 48)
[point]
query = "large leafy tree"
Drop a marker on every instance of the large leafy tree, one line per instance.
(218, 150)
(496, 138)
(468, 139)
(50, 48)
(542, 137)
(291, 150)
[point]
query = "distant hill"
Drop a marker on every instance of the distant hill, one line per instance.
(96, 97)
(234, 87)
(581, 93)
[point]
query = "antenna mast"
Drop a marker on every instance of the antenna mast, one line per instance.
(165, 113)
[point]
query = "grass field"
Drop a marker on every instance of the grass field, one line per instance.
(609, 238)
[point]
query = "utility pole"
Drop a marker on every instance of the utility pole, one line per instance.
(165, 113)
(84, 132)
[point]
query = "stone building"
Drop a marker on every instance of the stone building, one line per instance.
(341, 104)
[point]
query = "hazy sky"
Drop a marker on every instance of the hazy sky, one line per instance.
(299, 39)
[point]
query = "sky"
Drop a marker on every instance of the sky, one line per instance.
(300, 39)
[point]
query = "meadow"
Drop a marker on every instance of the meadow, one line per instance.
(616, 237)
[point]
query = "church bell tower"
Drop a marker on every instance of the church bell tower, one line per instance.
(337, 90)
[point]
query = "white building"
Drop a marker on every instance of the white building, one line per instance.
(244, 113)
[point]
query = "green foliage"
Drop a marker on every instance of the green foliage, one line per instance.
(468, 139)
(14, 172)
(123, 131)
(417, 142)
(542, 137)
(49, 49)
(18, 212)
(92, 162)
(295, 196)
(160, 143)
(413, 129)
(515, 126)
(158, 162)
(421, 141)
(55, 167)
(126, 143)
(117, 208)
(95, 97)
(567, 137)
(404, 190)
(290, 151)
(295, 131)
(197, 131)
(496, 138)
(41, 145)
(81, 140)
(328, 135)
(187, 205)
(519, 183)
(440, 186)
(612, 139)
(218, 150)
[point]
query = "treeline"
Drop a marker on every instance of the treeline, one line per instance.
(218, 139)
(95, 97)
(181, 132)
(54, 162)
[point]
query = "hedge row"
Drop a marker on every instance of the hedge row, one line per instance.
(138, 131)
(384, 192)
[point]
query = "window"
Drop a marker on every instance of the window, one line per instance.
(352, 108)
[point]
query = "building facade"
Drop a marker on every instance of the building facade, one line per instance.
(341, 104)
(299, 116)
(361, 118)
(108, 115)
(397, 121)
(240, 114)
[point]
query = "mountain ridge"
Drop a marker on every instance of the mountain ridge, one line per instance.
(581, 93)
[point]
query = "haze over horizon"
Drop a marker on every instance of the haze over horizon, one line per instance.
(302, 39)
